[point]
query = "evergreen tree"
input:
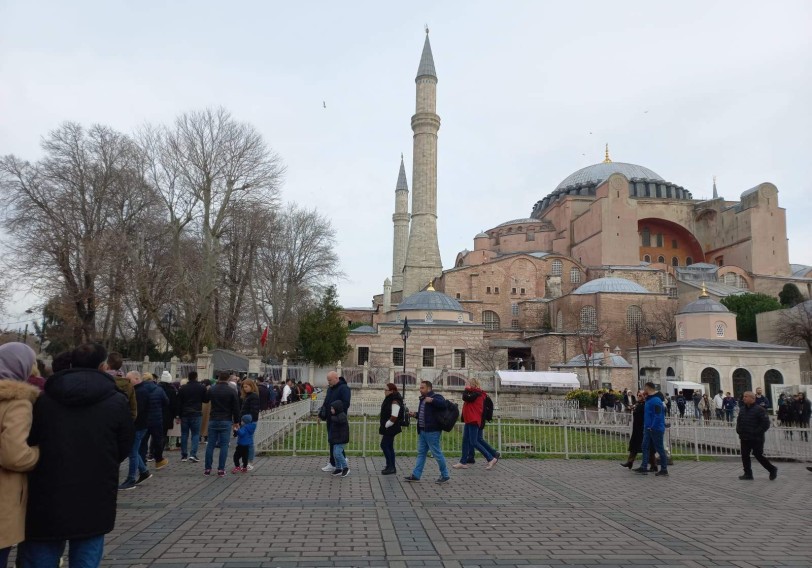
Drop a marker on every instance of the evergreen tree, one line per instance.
(746, 306)
(322, 333)
(790, 296)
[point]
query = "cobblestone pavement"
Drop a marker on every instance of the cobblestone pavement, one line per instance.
(522, 513)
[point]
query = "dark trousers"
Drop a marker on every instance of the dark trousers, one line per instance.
(241, 453)
(388, 447)
(757, 448)
(156, 442)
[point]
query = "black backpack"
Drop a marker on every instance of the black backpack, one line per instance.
(404, 420)
(487, 409)
(447, 417)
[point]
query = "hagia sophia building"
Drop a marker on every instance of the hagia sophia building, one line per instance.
(616, 255)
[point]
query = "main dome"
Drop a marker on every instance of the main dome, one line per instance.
(596, 173)
(430, 300)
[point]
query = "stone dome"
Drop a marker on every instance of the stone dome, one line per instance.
(611, 285)
(522, 221)
(705, 304)
(596, 173)
(430, 300)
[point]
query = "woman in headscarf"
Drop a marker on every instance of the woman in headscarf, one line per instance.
(17, 363)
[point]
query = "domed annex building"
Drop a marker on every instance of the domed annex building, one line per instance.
(612, 253)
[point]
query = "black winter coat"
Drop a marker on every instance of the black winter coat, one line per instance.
(225, 403)
(84, 430)
(151, 401)
(803, 411)
(386, 414)
(171, 409)
(636, 441)
(752, 422)
(339, 431)
(250, 405)
(264, 397)
(340, 391)
(190, 399)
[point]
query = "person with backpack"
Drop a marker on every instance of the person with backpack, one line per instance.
(681, 404)
(473, 408)
(429, 432)
(392, 412)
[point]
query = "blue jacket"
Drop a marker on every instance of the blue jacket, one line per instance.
(151, 401)
(245, 435)
(437, 404)
(654, 417)
(340, 391)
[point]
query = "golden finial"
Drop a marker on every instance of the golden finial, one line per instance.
(704, 293)
(431, 286)
(606, 159)
(427, 29)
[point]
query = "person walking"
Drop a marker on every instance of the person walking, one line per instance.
(84, 431)
(636, 440)
(190, 416)
(729, 404)
(429, 433)
(137, 465)
(653, 431)
(681, 404)
(802, 410)
(158, 405)
(391, 409)
(204, 423)
(16, 456)
(751, 425)
(472, 416)
(250, 405)
(339, 437)
(719, 404)
(697, 399)
(223, 417)
(706, 407)
(337, 390)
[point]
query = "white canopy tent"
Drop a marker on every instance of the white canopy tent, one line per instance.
(683, 385)
(549, 379)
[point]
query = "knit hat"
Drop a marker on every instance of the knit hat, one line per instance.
(166, 377)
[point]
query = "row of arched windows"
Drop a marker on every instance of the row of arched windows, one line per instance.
(588, 319)
(674, 260)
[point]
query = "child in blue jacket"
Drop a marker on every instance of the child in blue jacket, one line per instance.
(245, 439)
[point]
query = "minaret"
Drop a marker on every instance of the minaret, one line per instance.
(400, 219)
(423, 261)
(715, 193)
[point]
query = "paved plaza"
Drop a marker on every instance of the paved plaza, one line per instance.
(523, 512)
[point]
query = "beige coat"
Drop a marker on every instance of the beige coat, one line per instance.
(16, 457)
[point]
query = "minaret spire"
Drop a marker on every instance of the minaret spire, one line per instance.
(423, 260)
(400, 220)
(715, 193)
(606, 159)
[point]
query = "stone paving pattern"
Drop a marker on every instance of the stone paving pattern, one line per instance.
(288, 513)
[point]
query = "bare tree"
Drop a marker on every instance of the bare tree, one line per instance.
(794, 327)
(661, 321)
(485, 357)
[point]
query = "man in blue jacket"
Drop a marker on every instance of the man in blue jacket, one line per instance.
(429, 432)
(338, 390)
(653, 431)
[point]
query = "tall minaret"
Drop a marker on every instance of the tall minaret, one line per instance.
(400, 219)
(423, 261)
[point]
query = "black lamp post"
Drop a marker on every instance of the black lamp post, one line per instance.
(404, 334)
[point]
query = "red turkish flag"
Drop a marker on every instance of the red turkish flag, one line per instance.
(264, 339)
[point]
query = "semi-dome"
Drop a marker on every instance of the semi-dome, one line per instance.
(705, 304)
(522, 221)
(611, 285)
(596, 173)
(430, 300)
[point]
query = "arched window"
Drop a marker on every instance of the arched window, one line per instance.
(646, 237)
(689, 261)
(729, 279)
(634, 318)
(674, 261)
(742, 382)
(669, 372)
(559, 321)
(588, 318)
(647, 258)
(720, 329)
(575, 275)
(710, 376)
(661, 259)
(558, 268)
(772, 377)
(490, 320)
(742, 283)
(681, 331)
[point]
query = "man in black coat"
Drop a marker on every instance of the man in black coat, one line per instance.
(802, 411)
(224, 417)
(338, 390)
(84, 430)
(190, 415)
(751, 425)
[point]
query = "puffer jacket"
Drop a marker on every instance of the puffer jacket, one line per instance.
(752, 422)
(473, 405)
(16, 457)
(339, 432)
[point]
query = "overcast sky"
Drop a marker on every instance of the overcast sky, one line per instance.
(528, 92)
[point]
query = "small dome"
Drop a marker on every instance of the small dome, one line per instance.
(704, 305)
(364, 329)
(596, 173)
(523, 221)
(482, 236)
(611, 285)
(430, 300)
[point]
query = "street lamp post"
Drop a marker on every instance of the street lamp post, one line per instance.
(404, 334)
(637, 344)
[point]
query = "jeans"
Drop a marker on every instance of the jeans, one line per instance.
(729, 415)
(251, 453)
(137, 464)
(219, 434)
(82, 552)
(718, 413)
(656, 438)
(338, 455)
(190, 424)
(429, 441)
(473, 439)
(482, 444)
(388, 447)
(757, 447)
(697, 412)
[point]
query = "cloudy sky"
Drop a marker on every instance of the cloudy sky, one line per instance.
(528, 92)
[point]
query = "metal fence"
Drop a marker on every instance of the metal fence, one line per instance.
(294, 430)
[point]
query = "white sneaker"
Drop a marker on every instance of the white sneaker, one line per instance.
(328, 467)
(250, 467)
